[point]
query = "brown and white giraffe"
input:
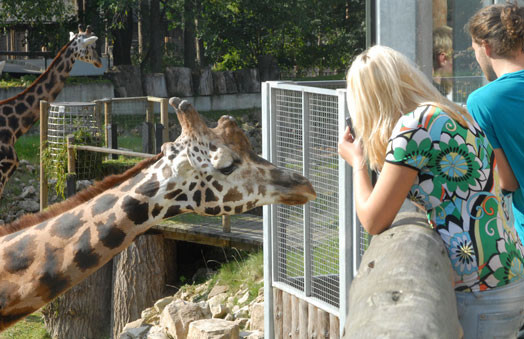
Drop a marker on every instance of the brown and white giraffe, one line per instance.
(205, 171)
(19, 113)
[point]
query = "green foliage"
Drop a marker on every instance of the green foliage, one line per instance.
(32, 327)
(8, 81)
(28, 147)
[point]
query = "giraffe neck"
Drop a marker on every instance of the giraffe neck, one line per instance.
(45, 260)
(20, 112)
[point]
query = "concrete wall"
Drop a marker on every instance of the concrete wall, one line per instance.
(71, 93)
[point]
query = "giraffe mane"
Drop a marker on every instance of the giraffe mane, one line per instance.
(55, 60)
(29, 220)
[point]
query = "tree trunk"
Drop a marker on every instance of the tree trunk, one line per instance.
(122, 42)
(403, 288)
(139, 275)
(143, 27)
(83, 311)
(189, 34)
(156, 38)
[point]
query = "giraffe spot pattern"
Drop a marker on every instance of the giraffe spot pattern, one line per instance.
(213, 210)
(51, 83)
(13, 122)
(67, 225)
(54, 281)
(173, 194)
(30, 100)
(197, 198)
(192, 186)
(232, 195)
(104, 203)
(181, 197)
(172, 211)
(210, 195)
(239, 209)
(166, 172)
(217, 186)
(20, 255)
(149, 188)
(135, 210)
(133, 182)
(20, 108)
(27, 121)
(212, 147)
(8, 110)
(227, 208)
(109, 234)
(5, 136)
(8, 291)
(156, 210)
(39, 90)
(2, 121)
(85, 256)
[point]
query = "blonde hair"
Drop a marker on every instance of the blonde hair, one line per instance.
(383, 85)
(442, 43)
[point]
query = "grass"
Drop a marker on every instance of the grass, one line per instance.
(28, 148)
(32, 327)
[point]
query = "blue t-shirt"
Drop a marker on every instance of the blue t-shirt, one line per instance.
(498, 108)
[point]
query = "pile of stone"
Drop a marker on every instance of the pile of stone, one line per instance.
(198, 314)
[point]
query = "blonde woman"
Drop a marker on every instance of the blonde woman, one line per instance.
(431, 151)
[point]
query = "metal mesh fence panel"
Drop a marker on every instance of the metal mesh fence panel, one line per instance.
(322, 113)
(289, 219)
(80, 120)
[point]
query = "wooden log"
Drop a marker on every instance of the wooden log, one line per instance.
(334, 327)
(302, 318)
(84, 311)
(295, 317)
(322, 324)
(277, 312)
(164, 118)
(286, 315)
(403, 288)
(311, 321)
(139, 274)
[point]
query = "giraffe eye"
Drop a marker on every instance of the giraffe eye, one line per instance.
(229, 169)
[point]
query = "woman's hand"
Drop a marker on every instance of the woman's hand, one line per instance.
(350, 150)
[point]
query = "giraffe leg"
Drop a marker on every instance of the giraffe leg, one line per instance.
(8, 164)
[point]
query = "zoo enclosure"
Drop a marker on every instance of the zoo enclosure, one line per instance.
(312, 252)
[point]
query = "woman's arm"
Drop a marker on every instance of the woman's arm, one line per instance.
(508, 181)
(376, 207)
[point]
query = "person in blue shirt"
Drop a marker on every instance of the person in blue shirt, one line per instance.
(497, 34)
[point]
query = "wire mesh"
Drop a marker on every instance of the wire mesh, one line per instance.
(322, 112)
(289, 219)
(81, 120)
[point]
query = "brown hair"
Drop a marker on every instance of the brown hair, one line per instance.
(29, 220)
(501, 26)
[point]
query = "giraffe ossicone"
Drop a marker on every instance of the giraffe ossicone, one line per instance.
(19, 113)
(209, 171)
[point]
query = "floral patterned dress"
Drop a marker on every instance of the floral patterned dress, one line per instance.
(460, 192)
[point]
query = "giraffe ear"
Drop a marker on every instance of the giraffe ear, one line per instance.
(71, 35)
(90, 40)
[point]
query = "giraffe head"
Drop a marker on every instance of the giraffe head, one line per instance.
(216, 172)
(84, 47)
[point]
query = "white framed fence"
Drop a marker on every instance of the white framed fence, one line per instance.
(311, 252)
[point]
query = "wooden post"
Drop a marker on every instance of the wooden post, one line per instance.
(108, 106)
(226, 223)
(147, 146)
(150, 114)
(295, 316)
(403, 288)
(302, 318)
(44, 113)
(322, 324)
(71, 169)
(164, 118)
(277, 313)
(287, 330)
(159, 137)
(112, 141)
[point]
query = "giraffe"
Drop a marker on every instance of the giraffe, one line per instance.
(208, 171)
(19, 113)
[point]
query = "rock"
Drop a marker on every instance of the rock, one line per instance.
(257, 316)
(155, 85)
(28, 191)
(205, 83)
(156, 332)
(135, 332)
(162, 303)
(247, 80)
(254, 335)
(29, 205)
(150, 315)
(241, 322)
(244, 298)
(179, 81)
(217, 306)
(216, 290)
(224, 83)
(213, 329)
(127, 77)
(83, 184)
(243, 312)
(177, 316)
